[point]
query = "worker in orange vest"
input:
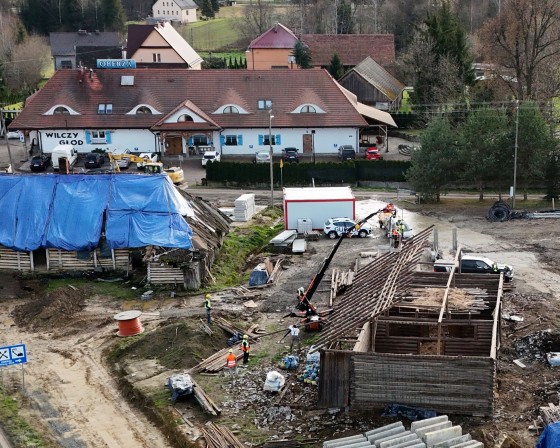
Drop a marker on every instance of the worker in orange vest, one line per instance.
(231, 363)
(245, 348)
(395, 236)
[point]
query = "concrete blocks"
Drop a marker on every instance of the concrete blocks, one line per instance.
(452, 442)
(428, 422)
(399, 440)
(343, 441)
(441, 435)
(375, 439)
(436, 427)
(384, 428)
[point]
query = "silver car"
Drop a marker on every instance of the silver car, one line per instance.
(124, 163)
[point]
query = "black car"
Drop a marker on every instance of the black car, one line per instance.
(94, 160)
(290, 155)
(40, 163)
(346, 152)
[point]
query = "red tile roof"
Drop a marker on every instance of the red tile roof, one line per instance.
(351, 48)
(207, 90)
(276, 37)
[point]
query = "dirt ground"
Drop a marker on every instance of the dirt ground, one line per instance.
(71, 393)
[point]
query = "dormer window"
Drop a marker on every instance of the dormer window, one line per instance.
(60, 110)
(264, 104)
(308, 110)
(184, 117)
(143, 110)
(231, 110)
(104, 108)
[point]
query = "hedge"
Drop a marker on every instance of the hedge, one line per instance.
(243, 174)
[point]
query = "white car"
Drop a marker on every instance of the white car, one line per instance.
(13, 135)
(149, 158)
(210, 156)
(262, 157)
(335, 227)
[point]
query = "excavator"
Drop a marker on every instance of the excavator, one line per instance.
(312, 319)
(175, 173)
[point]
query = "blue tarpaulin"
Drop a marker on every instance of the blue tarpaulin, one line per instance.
(70, 211)
(550, 438)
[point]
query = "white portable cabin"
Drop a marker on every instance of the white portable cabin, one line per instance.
(318, 205)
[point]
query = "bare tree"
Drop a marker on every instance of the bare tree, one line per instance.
(521, 41)
(27, 62)
(257, 19)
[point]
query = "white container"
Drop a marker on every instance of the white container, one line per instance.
(304, 225)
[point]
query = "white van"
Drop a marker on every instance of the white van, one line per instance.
(67, 151)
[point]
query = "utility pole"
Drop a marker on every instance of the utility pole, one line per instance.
(270, 117)
(515, 154)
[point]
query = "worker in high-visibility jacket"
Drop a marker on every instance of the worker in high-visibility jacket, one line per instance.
(395, 236)
(231, 363)
(245, 348)
(208, 306)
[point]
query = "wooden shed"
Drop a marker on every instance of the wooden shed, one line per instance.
(416, 338)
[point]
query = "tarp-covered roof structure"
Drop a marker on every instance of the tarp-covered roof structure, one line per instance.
(70, 212)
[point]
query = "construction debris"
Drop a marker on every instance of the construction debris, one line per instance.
(218, 436)
(339, 282)
(550, 414)
(500, 212)
(205, 401)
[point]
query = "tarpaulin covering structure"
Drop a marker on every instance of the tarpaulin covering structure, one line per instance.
(69, 212)
(550, 438)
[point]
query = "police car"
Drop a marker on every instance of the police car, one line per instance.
(335, 227)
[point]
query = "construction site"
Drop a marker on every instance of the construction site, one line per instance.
(397, 342)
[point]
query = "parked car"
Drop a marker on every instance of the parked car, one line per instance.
(476, 264)
(290, 155)
(94, 160)
(262, 157)
(40, 163)
(372, 153)
(346, 152)
(125, 162)
(13, 135)
(149, 158)
(210, 156)
(335, 227)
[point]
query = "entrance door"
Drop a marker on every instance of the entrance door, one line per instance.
(307, 143)
(174, 146)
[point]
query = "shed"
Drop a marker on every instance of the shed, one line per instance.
(318, 205)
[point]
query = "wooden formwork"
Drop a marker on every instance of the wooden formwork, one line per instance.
(163, 274)
(16, 260)
(64, 260)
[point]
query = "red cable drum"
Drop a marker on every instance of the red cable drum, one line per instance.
(129, 323)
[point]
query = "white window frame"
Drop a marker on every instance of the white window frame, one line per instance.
(98, 137)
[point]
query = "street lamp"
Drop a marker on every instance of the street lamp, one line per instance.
(270, 117)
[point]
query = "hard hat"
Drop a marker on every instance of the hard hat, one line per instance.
(207, 296)
(245, 336)
(230, 350)
(301, 290)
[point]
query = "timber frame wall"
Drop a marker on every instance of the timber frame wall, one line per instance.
(16, 260)
(64, 260)
(438, 359)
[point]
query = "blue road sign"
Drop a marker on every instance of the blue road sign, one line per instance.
(13, 354)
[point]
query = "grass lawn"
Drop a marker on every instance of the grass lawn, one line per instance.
(211, 35)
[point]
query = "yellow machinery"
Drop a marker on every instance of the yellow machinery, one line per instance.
(175, 173)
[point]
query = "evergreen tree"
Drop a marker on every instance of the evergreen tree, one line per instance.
(72, 17)
(230, 63)
(335, 67)
(206, 8)
(450, 40)
(215, 6)
(552, 176)
(345, 21)
(113, 15)
(302, 55)
(40, 17)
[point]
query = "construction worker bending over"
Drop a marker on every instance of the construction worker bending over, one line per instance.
(245, 348)
(231, 364)
(294, 332)
(208, 307)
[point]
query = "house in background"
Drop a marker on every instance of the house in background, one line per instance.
(183, 11)
(167, 110)
(83, 48)
(160, 45)
(351, 49)
(373, 85)
(272, 50)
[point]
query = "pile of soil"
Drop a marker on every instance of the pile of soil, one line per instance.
(50, 311)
